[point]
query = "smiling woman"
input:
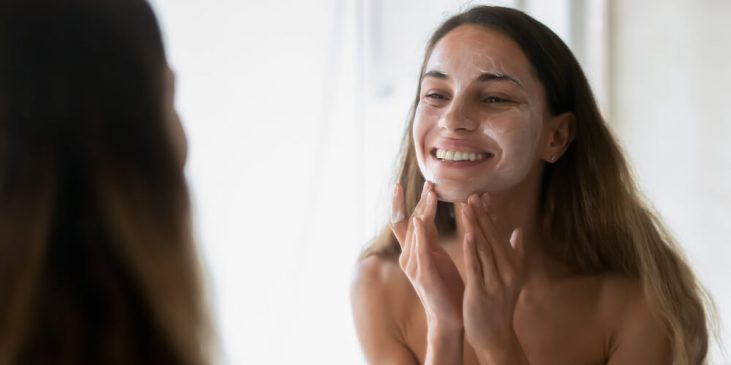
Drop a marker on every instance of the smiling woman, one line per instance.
(526, 239)
(487, 90)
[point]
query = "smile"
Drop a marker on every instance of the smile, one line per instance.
(446, 155)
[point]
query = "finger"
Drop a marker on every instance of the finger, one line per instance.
(406, 259)
(482, 218)
(500, 252)
(483, 250)
(417, 213)
(488, 206)
(421, 248)
(430, 208)
(399, 224)
(473, 270)
(419, 210)
(404, 231)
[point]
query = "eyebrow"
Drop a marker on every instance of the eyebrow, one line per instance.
(436, 74)
(484, 77)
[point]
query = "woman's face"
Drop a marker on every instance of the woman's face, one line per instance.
(478, 125)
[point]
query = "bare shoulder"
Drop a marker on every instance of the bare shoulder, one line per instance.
(379, 281)
(619, 296)
(637, 333)
(375, 270)
(615, 292)
(380, 299)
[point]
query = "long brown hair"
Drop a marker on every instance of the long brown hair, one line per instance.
(592, 215)
(97, 263)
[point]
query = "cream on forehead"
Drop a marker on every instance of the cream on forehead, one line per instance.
(476, 58)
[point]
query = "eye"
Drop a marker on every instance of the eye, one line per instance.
(435, 96)
(494, 100)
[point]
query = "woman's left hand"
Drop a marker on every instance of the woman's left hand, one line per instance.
(493, 281)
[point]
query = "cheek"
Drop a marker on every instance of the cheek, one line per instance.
(517, 133)
(420, 129)
(518, 145)
(423, 124)
(514, 130)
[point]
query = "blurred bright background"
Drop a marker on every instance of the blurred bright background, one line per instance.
(294, 112)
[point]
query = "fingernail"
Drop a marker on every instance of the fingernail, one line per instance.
(430, 197)
(397, 215)
(466, 212)
(514, 238)
(485, 200)
(473, 200)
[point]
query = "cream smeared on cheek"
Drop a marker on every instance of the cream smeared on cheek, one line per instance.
(516, 132)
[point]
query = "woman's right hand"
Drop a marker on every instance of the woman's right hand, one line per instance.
(427, 265)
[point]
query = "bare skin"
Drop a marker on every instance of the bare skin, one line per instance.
(490, 294)
(575, 320)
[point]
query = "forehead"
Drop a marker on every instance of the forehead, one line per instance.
(478, 49)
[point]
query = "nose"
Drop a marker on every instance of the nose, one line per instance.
(457, 117)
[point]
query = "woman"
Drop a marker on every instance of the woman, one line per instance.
(97, 265)
(517, 234)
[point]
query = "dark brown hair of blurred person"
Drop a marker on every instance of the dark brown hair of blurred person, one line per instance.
(97, 264)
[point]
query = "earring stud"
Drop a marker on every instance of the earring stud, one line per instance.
(553, 158)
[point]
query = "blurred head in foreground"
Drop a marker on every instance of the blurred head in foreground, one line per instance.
(97, 264)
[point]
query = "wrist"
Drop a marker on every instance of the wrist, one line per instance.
(445, 332)
(510, 352)
(444, 345)
(439, 330)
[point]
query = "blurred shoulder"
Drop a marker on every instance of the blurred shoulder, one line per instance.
(618, 287)
(636, 329)
(379, 275)
(380, 287)
(616, 293)
(381, 299)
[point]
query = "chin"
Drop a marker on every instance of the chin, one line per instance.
(452, 194)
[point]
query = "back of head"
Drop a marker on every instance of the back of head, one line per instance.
(96, 259)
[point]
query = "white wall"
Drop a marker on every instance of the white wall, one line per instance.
(671, 97)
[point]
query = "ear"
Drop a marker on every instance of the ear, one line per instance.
(561, 131)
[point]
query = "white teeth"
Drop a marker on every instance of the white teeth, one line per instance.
(460, 155)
